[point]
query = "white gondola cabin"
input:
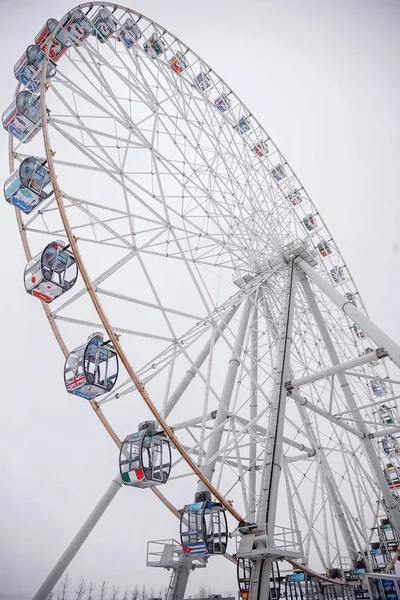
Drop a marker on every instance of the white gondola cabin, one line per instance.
(91, 369)
(129, 33)
(28, 185)
(243, 125)
(359, 333)
(78, 26)
(223, 103)
(392, 476)
(51, 273)
(202, 81)
(294, 197)
(27, 70)
(278, 172)
(61, 41)
(337, 275)
(22, 117)
(154, 46)
(261, 149)
(145, 457)
(378, 387)
(385, 414)
(372, 362)
(323, 248)
(310, 222)
(204, 528)
(179, 62)
(243, 569)
(351, 298)
(390, 445)
(104, 24)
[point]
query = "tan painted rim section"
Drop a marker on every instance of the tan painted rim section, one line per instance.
(107, 326)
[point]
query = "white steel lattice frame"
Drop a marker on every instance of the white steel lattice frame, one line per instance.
(177, 226)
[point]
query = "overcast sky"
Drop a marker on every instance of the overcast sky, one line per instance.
(323, 79)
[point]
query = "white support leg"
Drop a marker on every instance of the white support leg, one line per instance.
(369, 447)
(78, 540)
(271, 470)
(253, 413)
(191, 373)
(226, 395)
(377, 335)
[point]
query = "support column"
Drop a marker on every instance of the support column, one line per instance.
(191, 373)
(391, 505)
(271, 470)
(78, 540)
(253, 413)
(223, 408)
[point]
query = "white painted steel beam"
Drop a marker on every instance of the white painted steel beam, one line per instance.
(226, 394)
(377, 335)
(191, 373)
(323, 413)
(355, 362)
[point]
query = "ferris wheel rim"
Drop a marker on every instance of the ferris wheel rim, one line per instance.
(88, 282)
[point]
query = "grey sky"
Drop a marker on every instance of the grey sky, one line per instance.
(322, 77)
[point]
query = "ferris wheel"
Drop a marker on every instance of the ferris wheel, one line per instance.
(181, 263)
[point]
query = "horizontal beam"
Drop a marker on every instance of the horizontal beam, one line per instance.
(354, 362)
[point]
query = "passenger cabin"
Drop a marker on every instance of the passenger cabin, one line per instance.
(28, 69)
(278, 172)
(91, 369)
(202, 81)
(204, 528)
(129, 33)
(145, 457)
(104, 24)
(294, 197)
(309, 222)
(243, 125)
(78, 26)
(337, 275)
(223, 102)
(351, 298)
(61, 41)
(392, 476)
(378, 387)
(261, 149)
(390, 445)
(22, 117)
(385, 414)
(324, 248)
(154, 46)
(179, 62)
(243, 569)
(51, 273)
(28, 185)
(358, 332)
(373, 363)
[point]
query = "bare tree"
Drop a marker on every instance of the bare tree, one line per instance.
(143, 593)
(125, 596)
(135, 593)
(62, 590)
(90, 590)
(51, 595)
(115, 593)
(80, 590)
(103, 588)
